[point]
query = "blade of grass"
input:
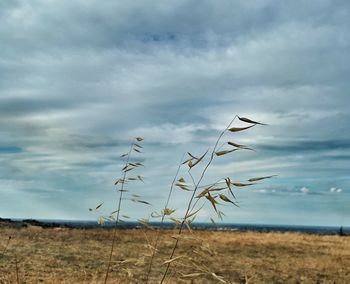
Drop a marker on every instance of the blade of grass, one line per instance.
(193, 195)
(163, 217)
(118, 213)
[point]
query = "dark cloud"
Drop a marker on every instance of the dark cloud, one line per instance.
(299, 147)
(10, 149)
(26, 106)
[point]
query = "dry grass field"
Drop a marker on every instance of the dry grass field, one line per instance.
(80, 256)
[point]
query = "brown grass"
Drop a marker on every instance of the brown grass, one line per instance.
(79, 256)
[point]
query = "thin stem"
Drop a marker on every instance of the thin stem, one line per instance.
(192, 178)
(193, 195)
(213, 184)
(6, 246)
(163, 217)
(118, 213)
(17, 273)
(172, 185)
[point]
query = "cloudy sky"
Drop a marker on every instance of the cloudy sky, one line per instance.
(80, 79)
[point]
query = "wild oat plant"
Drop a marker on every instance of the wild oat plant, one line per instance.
(216, 193)
(193, 263)
(127, 176)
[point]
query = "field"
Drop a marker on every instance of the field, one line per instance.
(56, 255)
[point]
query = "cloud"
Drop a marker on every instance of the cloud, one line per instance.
(169, 133)
(10, 149)
(80, 79)
(304, 190)
(307, 146)
(260, 190)
(335, 190)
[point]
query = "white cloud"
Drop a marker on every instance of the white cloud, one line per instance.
(304, 190)
(335, 190)
(168, 133)
(260, 190)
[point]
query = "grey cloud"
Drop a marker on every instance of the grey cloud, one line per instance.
(78, 79)
(10, 149)
(113, 22)
(307, 146)
(25, 106)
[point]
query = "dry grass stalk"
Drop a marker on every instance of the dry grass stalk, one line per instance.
(6, 246)
(210, 191)
(17, 270)
(128, 167)
(166, 212)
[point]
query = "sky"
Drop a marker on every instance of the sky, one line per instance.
(80, 79)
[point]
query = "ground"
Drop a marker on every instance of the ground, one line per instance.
(57, 255)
